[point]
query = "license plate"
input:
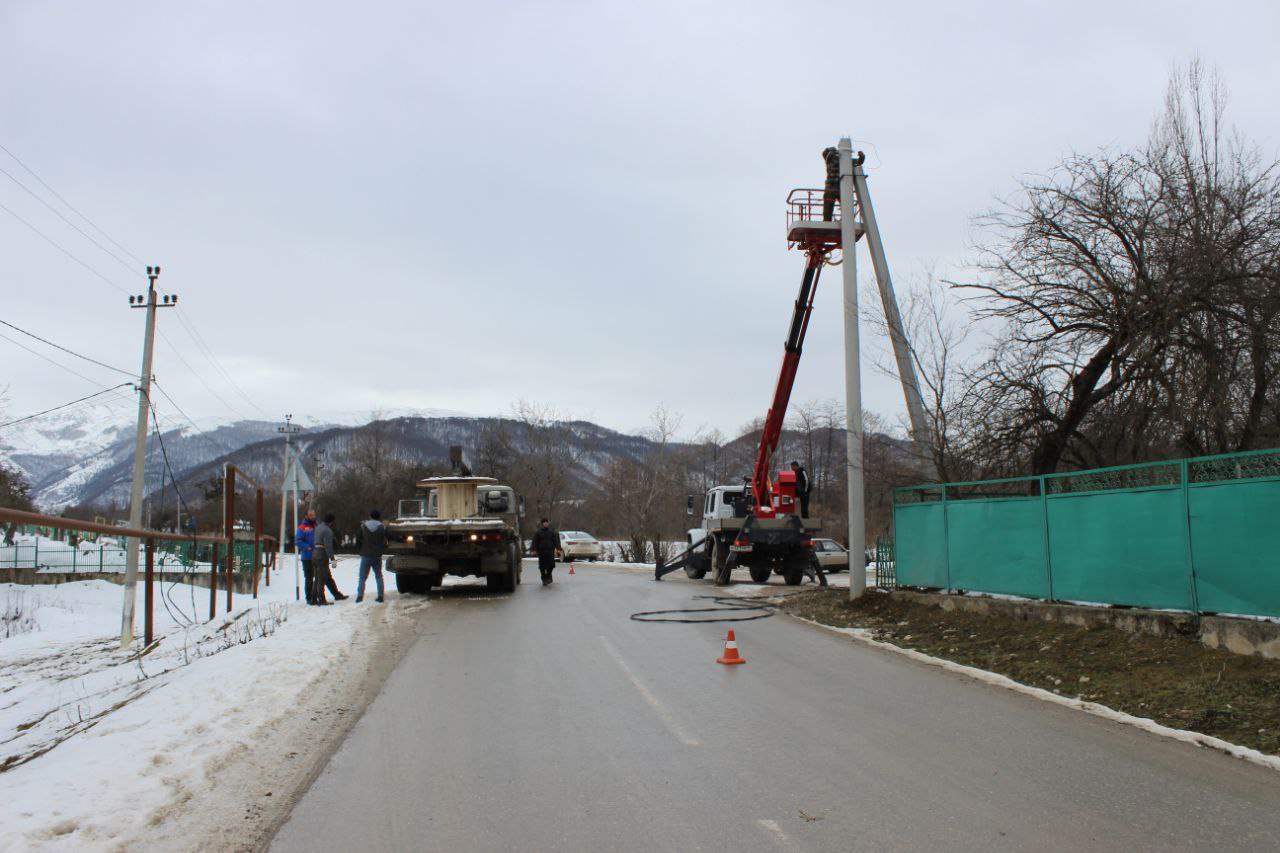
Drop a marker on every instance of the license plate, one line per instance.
(740, 549)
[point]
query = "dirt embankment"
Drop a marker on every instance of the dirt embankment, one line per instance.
(1175, 681)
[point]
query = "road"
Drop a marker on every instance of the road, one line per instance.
(549, 720)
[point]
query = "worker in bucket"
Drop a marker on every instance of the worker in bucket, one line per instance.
(546, 544)
(802, 487)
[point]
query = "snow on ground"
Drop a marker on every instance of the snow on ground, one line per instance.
(102, 555)
(100, 747)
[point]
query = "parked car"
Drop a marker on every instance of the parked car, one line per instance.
(577, 545)
(832, 556)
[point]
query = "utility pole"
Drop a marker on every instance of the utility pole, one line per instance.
(150, 303)
(287, 431)
(921, 433)
(852, 375)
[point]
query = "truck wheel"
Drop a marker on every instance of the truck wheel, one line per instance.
(517, 565)
(720, 562)
(793, 576)
(404, 584)
(761, 574)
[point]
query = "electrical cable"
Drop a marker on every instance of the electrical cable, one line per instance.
(194, 331)
(65, 405)
(59, 247)
(166, 596)
(60, 215)
(59, 364)
(203, 435)
(200, 378)
(71, 206)
(767, 606)
(64, 349)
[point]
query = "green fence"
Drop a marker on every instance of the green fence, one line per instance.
(1201, 535)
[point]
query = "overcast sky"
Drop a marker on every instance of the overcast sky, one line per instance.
(434, 205)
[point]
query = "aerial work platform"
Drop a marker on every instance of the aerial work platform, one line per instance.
(810, 225)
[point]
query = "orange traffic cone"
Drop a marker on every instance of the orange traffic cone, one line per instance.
(571, 568)
(730, 655)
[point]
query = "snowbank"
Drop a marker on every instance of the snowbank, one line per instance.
(111, 749)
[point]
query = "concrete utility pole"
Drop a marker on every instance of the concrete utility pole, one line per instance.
(287, 431)
(921, 433)
(852, 375)
(150, 303)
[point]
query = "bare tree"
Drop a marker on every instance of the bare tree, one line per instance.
(1125, 279)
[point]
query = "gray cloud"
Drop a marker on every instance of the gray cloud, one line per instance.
(574, 203)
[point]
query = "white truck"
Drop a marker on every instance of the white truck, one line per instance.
(464, 526)
(731, 536)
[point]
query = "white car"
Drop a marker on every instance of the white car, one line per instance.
(832, 556)
(577, 545)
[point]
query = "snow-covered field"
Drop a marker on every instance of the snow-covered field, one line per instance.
(104, 749)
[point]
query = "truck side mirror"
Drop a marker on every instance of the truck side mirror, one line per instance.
(688, 509)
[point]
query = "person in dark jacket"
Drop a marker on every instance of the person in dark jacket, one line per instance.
(372, 539)
(546, 542)
(305, 541)
(802, 488)
(322, 558)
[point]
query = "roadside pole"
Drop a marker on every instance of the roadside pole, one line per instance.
(921, 432)
(852, 375)
(287, 430)
(149, 302)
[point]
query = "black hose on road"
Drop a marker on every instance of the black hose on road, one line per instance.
(738, 608)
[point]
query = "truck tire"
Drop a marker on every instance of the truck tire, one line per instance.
(719, 554)
(407, 584)
(517, 565)
(696, 568)
(761, 574)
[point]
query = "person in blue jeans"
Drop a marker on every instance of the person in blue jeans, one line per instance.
(305, 541)
(372, 539)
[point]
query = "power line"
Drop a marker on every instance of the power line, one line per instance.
(221, 450)
(59, 247)
(63, 217)
(41, 355)
(64, 349)
(65, 405)
(200, 378)
(72, 207)
(195, 333)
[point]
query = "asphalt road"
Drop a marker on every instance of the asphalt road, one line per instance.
(549, 720)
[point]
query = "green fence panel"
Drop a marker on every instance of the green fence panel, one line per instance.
(997, 546)
(920, 557)
(1235, 541)
(1121, 547)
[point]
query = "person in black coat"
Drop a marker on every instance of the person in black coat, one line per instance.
(546, 543)
(802, 488)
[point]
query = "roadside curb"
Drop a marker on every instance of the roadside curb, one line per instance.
(1244, 753)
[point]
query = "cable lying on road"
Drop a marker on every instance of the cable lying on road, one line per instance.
(736, 606)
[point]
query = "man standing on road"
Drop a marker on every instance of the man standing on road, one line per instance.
(802, 488)
(305, 541)
(322, 558)
(546, 543)
(371, 537)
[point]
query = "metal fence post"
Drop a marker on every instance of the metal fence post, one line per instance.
(213, 582)
(148, 618)
(946, 538)
(1044, 516)
(1184, 471)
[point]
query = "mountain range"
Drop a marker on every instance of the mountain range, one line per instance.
(85, 456)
